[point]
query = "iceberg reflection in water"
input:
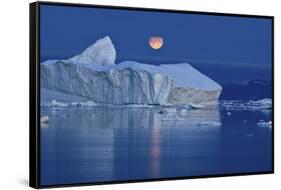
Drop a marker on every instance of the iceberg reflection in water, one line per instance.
(93, 144)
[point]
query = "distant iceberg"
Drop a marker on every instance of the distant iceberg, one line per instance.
(94, 75)
(263, 104)
(264, 124)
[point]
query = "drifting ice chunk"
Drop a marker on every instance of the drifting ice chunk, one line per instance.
(54, 103)
(82, 104)
(210, 123)
(44, 119)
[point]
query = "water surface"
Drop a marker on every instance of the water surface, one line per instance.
(95, 144)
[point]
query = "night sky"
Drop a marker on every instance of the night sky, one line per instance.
(227, 49)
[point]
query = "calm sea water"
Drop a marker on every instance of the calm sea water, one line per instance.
(94, 144)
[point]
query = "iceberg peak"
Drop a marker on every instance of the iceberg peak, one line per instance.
(100, 52)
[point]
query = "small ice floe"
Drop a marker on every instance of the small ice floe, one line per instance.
(55, 103)
(191, 106)
(249, 135)
(210, 123)
(82, 104)
(76, 104)
(262, 123)
(89, 103)
(173, 112)
(183, 111)
(138, 106)
(196, 106)
(44, 119)
(228, 113)
(166, 111)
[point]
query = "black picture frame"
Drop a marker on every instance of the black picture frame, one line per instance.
(34, 91)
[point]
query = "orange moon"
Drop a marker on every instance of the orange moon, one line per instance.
(156, 42)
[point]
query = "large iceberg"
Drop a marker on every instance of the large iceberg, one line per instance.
(94, 75)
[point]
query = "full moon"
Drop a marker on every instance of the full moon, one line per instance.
(156, 42)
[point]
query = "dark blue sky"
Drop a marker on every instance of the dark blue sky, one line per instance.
(226, 48)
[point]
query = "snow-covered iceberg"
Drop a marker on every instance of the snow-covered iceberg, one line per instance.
(94, 75)
(189, 85)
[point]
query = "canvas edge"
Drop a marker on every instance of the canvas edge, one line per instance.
(34, 135)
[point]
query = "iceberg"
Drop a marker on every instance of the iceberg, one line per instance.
(189, 85)
(261, 105)
(265, 103)
(264, 124)
(111, 86)
(94, 75)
